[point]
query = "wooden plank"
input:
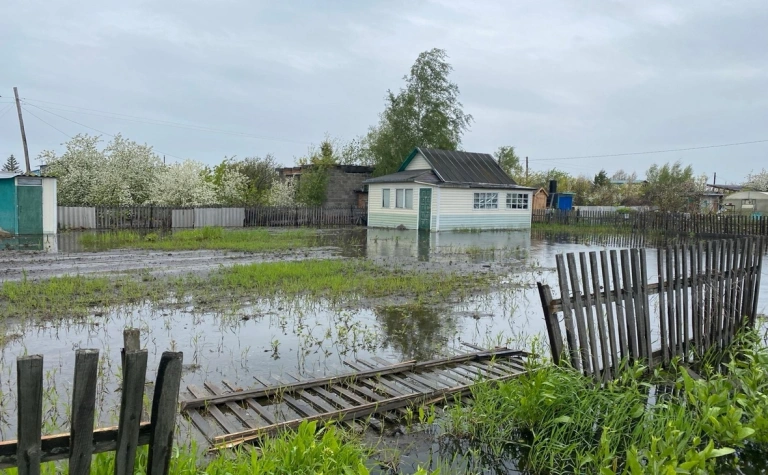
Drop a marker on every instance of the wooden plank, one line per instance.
(214, 410)
(56, 447)
(618, 294)
(301, 407)
(629, 306)
(345, 378)
(758, 272)
(694, 251)
(670, 284)
(646, 316)
(707, 341)
(589, 313)
(686, 280)
(29, 384)
(233, 406)
(488, 370)
(163, 419)
(570, 330)
(255, 406)
(333, 397)
(131, 342)
(739, 284)
(746, 281)
(425, 380)
(83, 409)
(662, 307)
(605, 341)
(607, 298)
(718, 317)
(131, 401)
(638, 304)
(733, 268)
(553, 325)
(342, 415)
(382, 361)
(578, 308)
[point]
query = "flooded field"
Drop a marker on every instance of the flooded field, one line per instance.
(304, 335)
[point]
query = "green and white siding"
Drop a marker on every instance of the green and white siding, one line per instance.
(452, 208)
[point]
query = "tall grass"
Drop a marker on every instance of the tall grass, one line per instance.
(250, 240)
(569, 424)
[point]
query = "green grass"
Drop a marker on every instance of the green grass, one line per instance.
(336, 280)
(567, 424)
(307, 451)
(583, 228)
(249, 240)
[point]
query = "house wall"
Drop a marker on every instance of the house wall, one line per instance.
(392, 217)
(418, 163)
(50, 206)
(8, 212)
(457, 211)
(342, 184)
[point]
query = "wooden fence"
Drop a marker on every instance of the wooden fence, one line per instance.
(656, 221)
(707, 292)
(31, 448)
(166, 217)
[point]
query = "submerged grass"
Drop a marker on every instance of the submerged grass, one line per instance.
(337, 280)
(568, 424)
(249, 240)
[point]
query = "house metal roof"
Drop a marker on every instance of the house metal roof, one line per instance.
(453, 168)
(4, 175)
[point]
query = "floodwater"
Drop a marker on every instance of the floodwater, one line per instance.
(305, 337)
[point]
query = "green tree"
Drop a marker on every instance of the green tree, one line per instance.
(673, 188)
(11, 165)
(509, 162)
(243, 182)
(601, 179)
(313, 186)
(426, 113)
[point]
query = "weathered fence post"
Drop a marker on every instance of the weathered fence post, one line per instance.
(29, 377)
(83, 408)
(163, 420)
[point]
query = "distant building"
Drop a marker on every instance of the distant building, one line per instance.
(28, 204)
(439, 190)
(747, 202)
(540, 199)
(345, 184)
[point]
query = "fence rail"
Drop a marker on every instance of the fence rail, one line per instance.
(31, 448)
(707, 292)
(166, 217)
(656, 221)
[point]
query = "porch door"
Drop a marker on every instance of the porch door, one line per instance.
(29, 199)
(425, 208)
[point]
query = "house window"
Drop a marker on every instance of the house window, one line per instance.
(385, 198)
(486, 200)
(409, 198)
(399, 198)
(517, 200)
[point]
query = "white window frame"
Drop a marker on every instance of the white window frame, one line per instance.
(385, 198)
(400, 198)
(517, 201)
(486, 200)
(408, 193)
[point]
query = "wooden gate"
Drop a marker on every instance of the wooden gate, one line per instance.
(706, 293)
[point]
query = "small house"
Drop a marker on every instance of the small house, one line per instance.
(441, 190)
(27, 204)
(747, 202)
(540, 199)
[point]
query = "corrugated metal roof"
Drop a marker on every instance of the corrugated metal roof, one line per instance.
(9, 174)
(464, 167)
(424, 176)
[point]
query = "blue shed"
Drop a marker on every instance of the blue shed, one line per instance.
(563, 201)
(28, 204)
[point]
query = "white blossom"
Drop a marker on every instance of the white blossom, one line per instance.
(757, 181)
(183, 184)
(282, 193)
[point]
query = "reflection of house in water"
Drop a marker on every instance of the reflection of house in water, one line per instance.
(416, 331)
(411, 245)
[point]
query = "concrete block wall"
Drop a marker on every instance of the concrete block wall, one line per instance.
(342, 185)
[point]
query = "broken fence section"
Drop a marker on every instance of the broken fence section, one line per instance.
(706, 292)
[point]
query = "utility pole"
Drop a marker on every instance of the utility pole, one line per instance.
(526, 170)
(21, 124)
(714, 180)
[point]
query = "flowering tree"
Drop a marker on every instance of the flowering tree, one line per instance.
(757, 181)
(283, 193)
(183, 184)
(123, 173)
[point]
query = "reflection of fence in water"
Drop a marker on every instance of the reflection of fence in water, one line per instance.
(707, 292)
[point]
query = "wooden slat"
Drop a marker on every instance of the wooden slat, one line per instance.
(232, 406)
(255, 406)
(83, 409)
(214, 411)
(583, 345)
(638, 304)
(29, 377)
(746, 281)
(739, 284)
(685, 276)
(718, 317)
(131, 401)
(761, 243)
(629, 307)
(164, 404)
(553, 325)
(618, 298)
(570, 330)
(663, 332)
(708, 282)
(605, 340)
(590, 317)
(610, 316)
(695, 258)
(670, 288)
(646, 316)
(731, 314)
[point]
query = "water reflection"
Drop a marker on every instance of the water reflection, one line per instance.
(416, 331)
(45, 242)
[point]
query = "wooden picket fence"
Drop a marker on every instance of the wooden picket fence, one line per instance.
(656, 221)
(314, 216)
(31, 448)
(706, 293)
(133, 217)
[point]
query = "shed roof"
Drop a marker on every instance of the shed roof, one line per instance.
(4, 175)
(453, 168)
(748, 195)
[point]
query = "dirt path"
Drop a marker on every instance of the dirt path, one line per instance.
(14, 265)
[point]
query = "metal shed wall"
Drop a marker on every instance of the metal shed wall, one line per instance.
(224, 217)
(76, 217)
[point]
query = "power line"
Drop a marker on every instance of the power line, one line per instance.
(89, 127)
(133, 118)
(44, 122)
(652, 151)
(5, 111)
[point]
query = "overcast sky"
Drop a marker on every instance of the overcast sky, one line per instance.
(552, 78)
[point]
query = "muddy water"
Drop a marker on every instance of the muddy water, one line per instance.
(298, 336)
